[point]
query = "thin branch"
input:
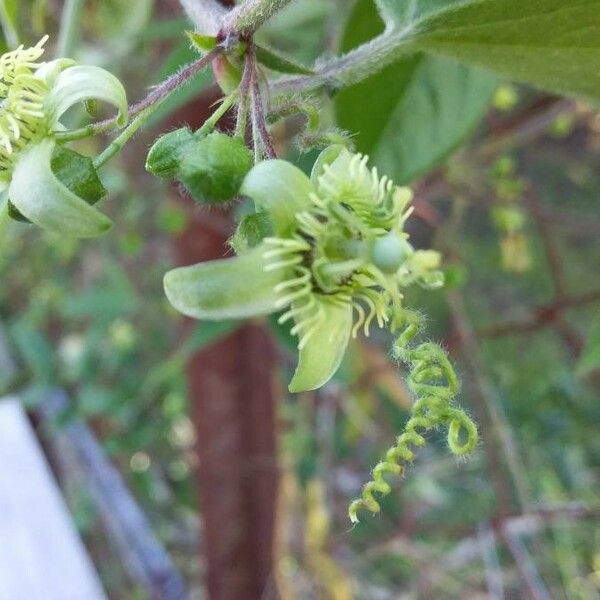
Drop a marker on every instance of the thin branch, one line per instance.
(258, 112)
(246, 18)
(544, 316)
(206, 15)
(526, 566)
(483, 395)
(353, 67)
(158, 94)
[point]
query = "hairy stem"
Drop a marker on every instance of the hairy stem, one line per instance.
(246, 18)
(119, 142)
(225, 105)
(157, 95)
(356, 65)
(258, 114)
(206, 15)
(69, 28)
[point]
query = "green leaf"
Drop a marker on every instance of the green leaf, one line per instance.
(277, 62)
(403, 13)
(320, 358)
(590, 359)
(229, 288)
(411, 115)
(203, 43)
(551, 44)
(77, 173)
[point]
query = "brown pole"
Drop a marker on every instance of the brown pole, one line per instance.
(233, 409)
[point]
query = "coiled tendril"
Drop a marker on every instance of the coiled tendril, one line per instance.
(433, 382)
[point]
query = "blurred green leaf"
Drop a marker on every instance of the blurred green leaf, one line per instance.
(36, 351)
(415, 112)
(552, 44)
(590, 359)
(276, 62)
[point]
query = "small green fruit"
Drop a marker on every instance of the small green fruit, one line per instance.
(165, 155)
(213, 169)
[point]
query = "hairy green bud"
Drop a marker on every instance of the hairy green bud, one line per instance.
(213, 169)
(166, 152)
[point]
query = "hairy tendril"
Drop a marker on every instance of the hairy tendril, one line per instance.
(433, 382)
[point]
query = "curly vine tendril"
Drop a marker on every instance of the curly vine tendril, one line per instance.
(434, 384)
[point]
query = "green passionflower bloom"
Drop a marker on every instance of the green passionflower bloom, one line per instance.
(33, 98)
(335, 260)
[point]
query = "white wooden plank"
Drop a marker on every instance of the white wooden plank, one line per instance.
(41, 555)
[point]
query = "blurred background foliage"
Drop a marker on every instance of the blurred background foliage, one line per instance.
(515, 211)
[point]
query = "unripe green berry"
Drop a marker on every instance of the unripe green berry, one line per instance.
(213, 169)
(165, 155)
(390, 252)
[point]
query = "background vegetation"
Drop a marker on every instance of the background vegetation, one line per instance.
(515, 211)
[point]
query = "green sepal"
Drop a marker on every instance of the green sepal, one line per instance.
(165, 155)
(231, 288)
(212, 170)
(320, 358)
(202, 42)
(280, 189)
(82, 83)
(251, 231)
(76, 172)
(281, 64)
(38, 194)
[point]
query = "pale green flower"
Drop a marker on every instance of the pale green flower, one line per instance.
(33, 98)
(335, 260)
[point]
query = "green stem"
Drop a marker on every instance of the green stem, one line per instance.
(211, 122)
(119, 142)
(353, 67)
(69, 28)
(154, 98)
(246, 18)
(8, 29)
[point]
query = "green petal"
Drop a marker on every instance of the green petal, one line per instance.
(320, 358)
(80, 83)
(281, 189)
(229, 288)
(326, 157)
(45, 201)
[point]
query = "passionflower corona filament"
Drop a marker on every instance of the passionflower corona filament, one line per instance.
(33, 97)
(333, 259)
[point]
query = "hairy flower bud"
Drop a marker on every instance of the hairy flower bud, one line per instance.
(213, 169)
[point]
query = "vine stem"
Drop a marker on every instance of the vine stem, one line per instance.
(258, 111)
(353, 67)
(156, 96)
(246, 18)
(225, 105)
(69, 28)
